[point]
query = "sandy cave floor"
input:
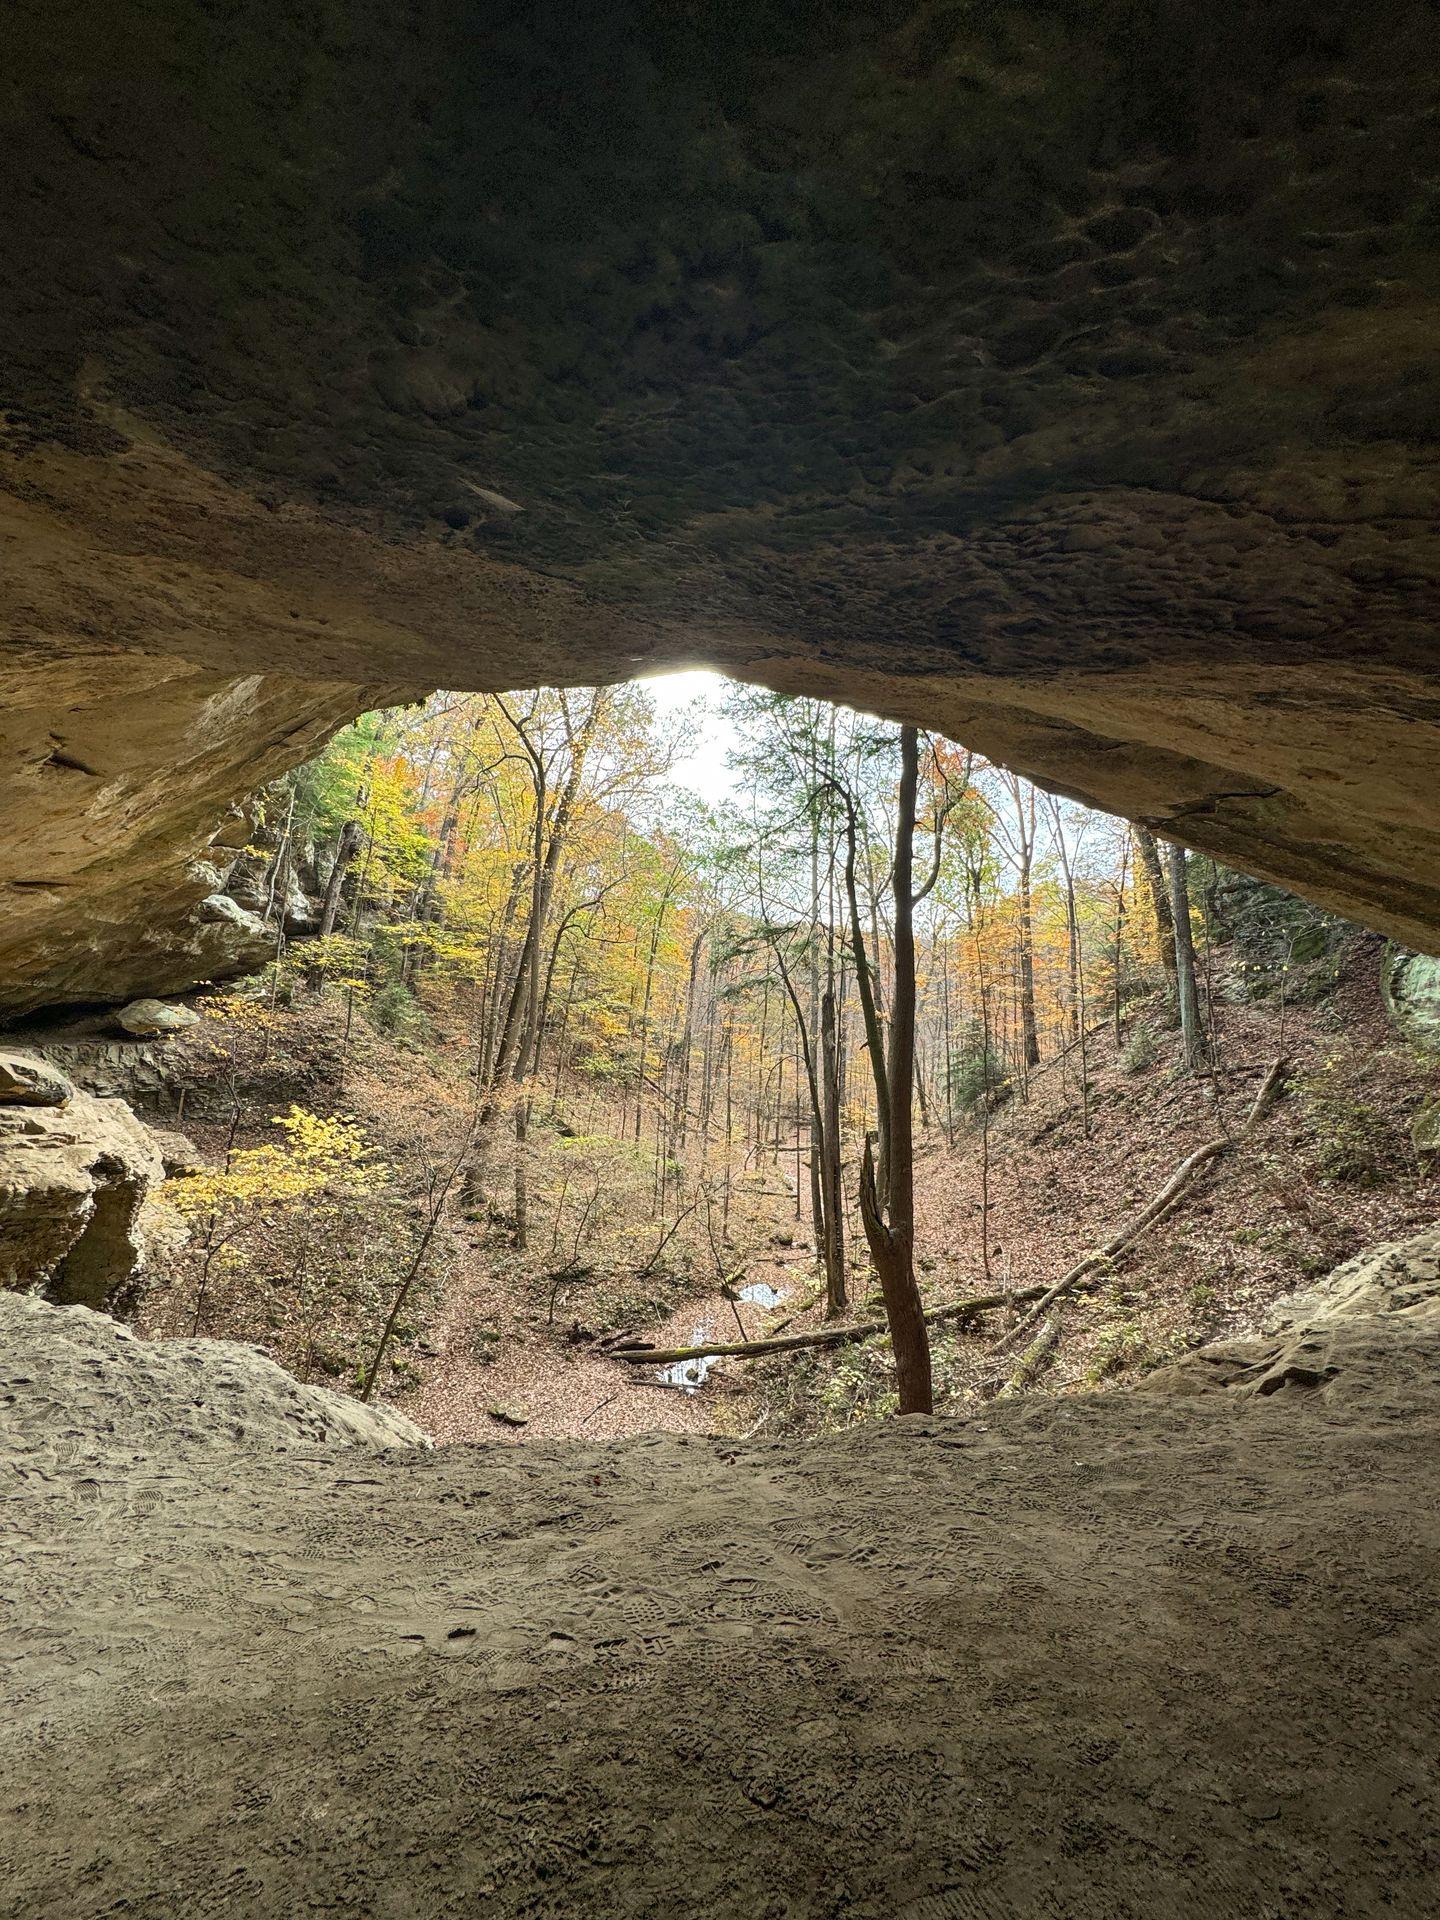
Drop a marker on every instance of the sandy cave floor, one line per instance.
(1127, 1655)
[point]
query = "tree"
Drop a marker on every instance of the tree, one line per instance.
(1019, 836)
(1158, 887)
(1192, 1032)
(890, 1222)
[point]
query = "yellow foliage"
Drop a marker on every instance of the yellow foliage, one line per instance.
(323, 1155)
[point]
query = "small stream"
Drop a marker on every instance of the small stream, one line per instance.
(761, 1294)
(689, 1375)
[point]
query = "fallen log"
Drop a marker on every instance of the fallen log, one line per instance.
(825, 1337)
(1154, 1212)
(1034, 1360)
(1086, 1273)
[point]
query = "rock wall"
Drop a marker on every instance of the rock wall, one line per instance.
(75, 1171)
(1410, 983)
(1367, 1332)
(117, 775)
(1061, 377)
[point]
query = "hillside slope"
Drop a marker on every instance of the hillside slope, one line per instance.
(1331, 1172)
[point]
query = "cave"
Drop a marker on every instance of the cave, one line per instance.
(1060, 376)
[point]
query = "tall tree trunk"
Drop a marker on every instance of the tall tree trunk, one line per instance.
(1076, 963)
(1192, 1031)
(346, 848)
(518, 1037)
(831, 1184)
(681, 1125)
(1029, 1034)
(820, 1226)
(948, 1043)
(1119, 937)
(655, 932)
(892, 1238)
(1159, 891)
(865, 981)
(348, 845)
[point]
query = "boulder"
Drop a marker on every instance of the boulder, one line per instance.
(78, 1382)
(178, 1152)
(1410, 984)
(221, 910)
(28, 1081)
(246, 887)
(301, 913)
(1366, 1331)
(509, 1413)
(73, 1180)
(145, 1018)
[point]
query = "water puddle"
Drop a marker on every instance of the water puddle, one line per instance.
(761, 1294)
(689, 1375)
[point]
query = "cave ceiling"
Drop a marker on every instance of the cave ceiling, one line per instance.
(1064, 377)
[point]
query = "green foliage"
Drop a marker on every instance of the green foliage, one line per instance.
(395, 1010)
(858, 1387)
(1354, 1143)
(1140, 1050)
(976, 1072)
(296, 1243)
(1280, 940)
(1120, 1349)
(331, 788)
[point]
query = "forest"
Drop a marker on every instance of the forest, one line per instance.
(565, 1083)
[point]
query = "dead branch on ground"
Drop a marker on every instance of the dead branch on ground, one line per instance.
(1150, 1215)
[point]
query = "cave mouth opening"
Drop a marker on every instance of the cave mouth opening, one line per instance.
(594, 982)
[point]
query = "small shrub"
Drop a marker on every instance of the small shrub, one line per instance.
(1118, 1350)
(860, 1387)
(1352, 1140)
(1139, 1051)
(396, 1011)
(976, 1072)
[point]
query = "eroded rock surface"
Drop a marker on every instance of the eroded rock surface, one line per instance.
(1110, 1657)
(26, 1080)
(76, 1387)
(1057, 378)
(1411, 986)
(1369, 1330)
(74, 1177)
(117, 775)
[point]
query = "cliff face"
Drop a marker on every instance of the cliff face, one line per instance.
(1061, 377)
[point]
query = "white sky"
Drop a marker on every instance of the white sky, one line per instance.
(693, 694)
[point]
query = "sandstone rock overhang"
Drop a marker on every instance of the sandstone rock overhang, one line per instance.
(1062, 376)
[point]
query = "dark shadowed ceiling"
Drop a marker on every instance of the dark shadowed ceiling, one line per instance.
(1063, 376)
